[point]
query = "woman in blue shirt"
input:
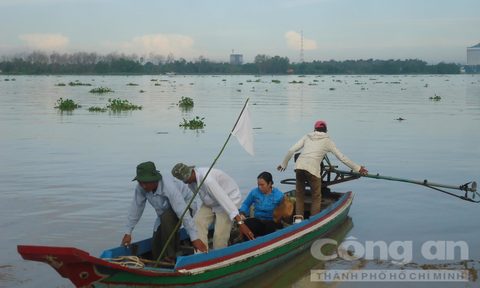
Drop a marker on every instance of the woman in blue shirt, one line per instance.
(264, 198)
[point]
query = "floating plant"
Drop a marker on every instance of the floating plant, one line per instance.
(117, 105)
(101, 90)
(193, 124)
(66, 105)
(97, 109)
(78, 83)
(185, 103)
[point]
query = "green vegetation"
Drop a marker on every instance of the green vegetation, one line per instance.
(60, 84)
(78, 83)
(92, 63)
(132, 84)
(275, 81)
(117, 105)
(97, 109)
(185, 103)
(296, 82)
(66, 105)
(193, 124)
(436, 98)
(101, 90)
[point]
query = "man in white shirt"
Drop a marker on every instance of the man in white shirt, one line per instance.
(315, 146)
(221, 199)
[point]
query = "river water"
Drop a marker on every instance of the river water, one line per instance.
(66, 177)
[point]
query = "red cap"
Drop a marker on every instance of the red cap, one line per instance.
(320, 124)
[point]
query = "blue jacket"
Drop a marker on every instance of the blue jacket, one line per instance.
(264, 204)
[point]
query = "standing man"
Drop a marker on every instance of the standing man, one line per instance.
(315, 146)
(221, 198)
(169, 198)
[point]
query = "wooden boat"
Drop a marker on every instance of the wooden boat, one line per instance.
(219, 268)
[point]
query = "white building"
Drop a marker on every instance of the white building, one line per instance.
(473, 55)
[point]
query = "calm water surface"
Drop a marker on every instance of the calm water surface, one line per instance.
(66, 177)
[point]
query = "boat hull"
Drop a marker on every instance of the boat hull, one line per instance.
(224, 267)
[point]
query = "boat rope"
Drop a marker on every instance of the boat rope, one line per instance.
(170, 237)
(128, 261)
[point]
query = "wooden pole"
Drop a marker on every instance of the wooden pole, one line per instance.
(170, 237)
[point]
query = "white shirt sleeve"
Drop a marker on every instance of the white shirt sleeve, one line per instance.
(136, 209)
(297, 146)
(352, 165)
(216, 191)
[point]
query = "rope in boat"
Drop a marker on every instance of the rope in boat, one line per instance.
(135, 262)
(128, 261)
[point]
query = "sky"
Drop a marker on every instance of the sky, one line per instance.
(430, 30)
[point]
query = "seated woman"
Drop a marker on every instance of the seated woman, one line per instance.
(264, 198)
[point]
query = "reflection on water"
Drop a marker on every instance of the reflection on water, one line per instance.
(66, 177)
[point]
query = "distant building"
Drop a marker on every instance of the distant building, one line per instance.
(473, 55)
(236, 59)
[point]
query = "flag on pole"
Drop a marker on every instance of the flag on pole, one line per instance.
(244, 131)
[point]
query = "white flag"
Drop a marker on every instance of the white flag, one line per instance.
(244, 131)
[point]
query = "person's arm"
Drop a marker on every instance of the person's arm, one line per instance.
(297, 146)
(134, 214)
(352, 165)
(243, 227)
(245, 208)
(221, 196)
(228, 206)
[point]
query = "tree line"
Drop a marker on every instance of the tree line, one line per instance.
(92, 63)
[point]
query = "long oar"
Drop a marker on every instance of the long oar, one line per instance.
(470, 187)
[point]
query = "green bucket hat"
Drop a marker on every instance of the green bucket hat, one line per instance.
(146, 172)
(182, 171)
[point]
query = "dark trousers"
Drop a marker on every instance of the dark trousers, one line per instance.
(168, 221)
(261, 227)
(315, 184)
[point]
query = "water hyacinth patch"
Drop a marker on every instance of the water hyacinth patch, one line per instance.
(78, 83)
(97, 109)
(60, 84)
(66, 105)
(101, 90)
(185, 103)
(193, 124)
(122, 105)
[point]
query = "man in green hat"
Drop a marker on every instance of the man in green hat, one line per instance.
(169, 198)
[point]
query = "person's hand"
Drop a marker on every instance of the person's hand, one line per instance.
(199, 245)
(127, 239)
(246, 231)
(280, 168)
(363, 170)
